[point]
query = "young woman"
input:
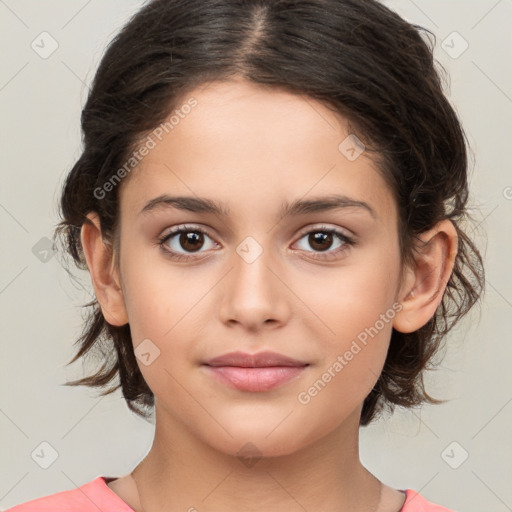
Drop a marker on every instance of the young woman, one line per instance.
(269, 203)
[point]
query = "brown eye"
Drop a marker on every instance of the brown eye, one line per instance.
(320, 240)
(325, 240)
(191, 240)
(185, 241)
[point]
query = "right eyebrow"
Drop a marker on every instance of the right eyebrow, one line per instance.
(186, 203)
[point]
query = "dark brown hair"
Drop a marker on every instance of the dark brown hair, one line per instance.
(357, 57)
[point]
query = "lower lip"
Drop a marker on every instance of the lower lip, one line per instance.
(255, 379)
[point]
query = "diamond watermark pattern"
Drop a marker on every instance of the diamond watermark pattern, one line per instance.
(44, 45)
(146, 352)
(351, 147)
(249, 249)
(454, 455)
(44, 455)
(249, 454)
(44, 249)
(454, 45)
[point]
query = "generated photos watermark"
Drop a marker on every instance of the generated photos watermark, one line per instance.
(150, 143)
(304, 397)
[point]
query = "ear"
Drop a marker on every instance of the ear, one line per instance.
(100, 261)
(425, 281)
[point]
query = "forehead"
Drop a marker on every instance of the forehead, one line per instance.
(254, 147)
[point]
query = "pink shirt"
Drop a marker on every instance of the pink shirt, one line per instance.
(97, 496)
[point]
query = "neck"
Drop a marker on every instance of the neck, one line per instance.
(182, 472)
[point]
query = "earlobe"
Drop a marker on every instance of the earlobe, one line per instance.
(99, 257)
(426, 280)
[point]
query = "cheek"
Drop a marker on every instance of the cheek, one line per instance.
(337, 392)
(343, 301)
(350, 365)
(353, 311)
(157, 294)
(167, 305)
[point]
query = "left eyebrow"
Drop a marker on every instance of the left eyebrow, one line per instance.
(322, 204)
(298, 207)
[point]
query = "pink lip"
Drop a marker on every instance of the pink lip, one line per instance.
(254, 372)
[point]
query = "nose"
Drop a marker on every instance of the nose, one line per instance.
(254, 293)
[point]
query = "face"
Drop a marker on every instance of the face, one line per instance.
(318, 284)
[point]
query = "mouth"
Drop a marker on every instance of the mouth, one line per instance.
(254, 372)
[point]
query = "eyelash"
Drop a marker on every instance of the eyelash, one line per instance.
(347, 241)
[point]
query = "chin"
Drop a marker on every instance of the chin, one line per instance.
(252, 441)
(251, 449)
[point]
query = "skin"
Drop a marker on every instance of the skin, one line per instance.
(252, 149)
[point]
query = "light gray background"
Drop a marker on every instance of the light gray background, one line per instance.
(40, 101)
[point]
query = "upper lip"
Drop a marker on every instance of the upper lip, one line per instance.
(260, 360)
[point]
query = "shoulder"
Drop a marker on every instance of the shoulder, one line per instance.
(415, 502)
(89, 497)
